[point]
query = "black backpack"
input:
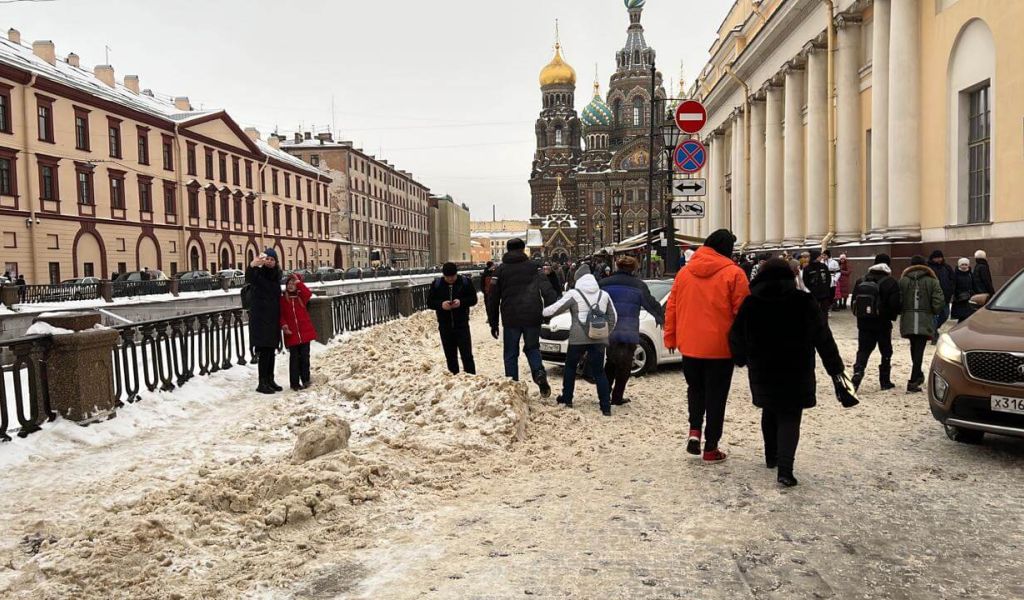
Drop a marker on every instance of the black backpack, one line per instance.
(867, 300)
(819, 281)
(246, 295)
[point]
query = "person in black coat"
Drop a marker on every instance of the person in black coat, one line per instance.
(963, 290)
(451, 296)
(519, 293)
(946, 276)
(264, 280)
(876, 329)
(775, 335)
(983, 274)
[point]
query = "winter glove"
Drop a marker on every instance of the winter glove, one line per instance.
(845, 391)
(494, 332)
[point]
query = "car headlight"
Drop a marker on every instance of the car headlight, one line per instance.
(939, 387)
(948, 350)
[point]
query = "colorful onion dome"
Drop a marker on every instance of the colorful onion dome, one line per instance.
(597, 113)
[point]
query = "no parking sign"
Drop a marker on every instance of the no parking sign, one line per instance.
(690, 156)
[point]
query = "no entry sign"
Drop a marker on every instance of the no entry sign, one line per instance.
(690, 156)
(691, 116)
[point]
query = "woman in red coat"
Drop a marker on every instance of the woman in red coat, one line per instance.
(298, 330)
(843, 289)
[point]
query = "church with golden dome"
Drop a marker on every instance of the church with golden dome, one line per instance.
(594, 164)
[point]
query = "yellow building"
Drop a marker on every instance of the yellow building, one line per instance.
(98, 176)
(925, 120)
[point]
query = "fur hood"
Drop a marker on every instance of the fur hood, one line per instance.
(919, 271)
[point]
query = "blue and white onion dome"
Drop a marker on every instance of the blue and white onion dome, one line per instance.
(635, 3)
(597, 113)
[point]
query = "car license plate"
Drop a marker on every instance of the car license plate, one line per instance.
(550, 348)
(1008, 405)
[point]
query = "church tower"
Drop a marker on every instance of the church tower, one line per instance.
(559, 134)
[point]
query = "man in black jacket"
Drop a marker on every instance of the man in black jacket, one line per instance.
(451, 296)
(264, 279)
(818, 281)
(947, 279)
(518, 296)
(876, 304)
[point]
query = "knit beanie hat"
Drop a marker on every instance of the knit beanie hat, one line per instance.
(883, 259)
(722, 242)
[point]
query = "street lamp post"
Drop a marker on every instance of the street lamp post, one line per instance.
(617, 203)
(671, 136)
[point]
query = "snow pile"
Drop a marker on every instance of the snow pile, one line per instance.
(321, 438)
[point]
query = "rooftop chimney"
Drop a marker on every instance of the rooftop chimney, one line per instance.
(274, 141)
(253, 133)
(73, 60)
(147, 92)
(14, 35)
(325, 136)
(182, 103)
(105, 73)
(307, 135)
(298, 137)
(132, 83)
(44, 49)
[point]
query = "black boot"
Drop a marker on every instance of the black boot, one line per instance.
(264, 387)
(786, 478)
(540, 377)
(884, 377)
(858, 377)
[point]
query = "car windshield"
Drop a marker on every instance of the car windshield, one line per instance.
(659, 289)
(1011, 297)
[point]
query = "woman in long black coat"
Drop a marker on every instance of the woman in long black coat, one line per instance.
(964, 287)
(264, 279)
(776, 333)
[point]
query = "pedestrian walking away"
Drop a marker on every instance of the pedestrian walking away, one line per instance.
(983, 274)
(518, 296)
(451, 296)
(922, 300)
(963, 291)
(629, 294)
(818, 281)
(946, 277)
(876, 304)
(775, 336)
(298, 330)
(705, 298)
(262, 298)
(593, 320)
(22, 288)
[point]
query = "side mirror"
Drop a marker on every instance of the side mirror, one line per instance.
(980, 299)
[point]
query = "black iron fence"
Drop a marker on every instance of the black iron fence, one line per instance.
(65, 292)
(128, 289)
(201, 284)
(24, 393)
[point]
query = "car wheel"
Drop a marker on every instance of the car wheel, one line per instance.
(964, 436)
(645, 359)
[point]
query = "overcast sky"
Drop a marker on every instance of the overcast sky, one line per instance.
(445, 90)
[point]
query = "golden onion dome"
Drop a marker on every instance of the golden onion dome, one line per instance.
(558, 72)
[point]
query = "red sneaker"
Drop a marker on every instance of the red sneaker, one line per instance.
(712, 457)
(693, 443)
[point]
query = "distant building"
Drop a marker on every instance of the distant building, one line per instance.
(382, 212)
(449, 231)
(495, 235)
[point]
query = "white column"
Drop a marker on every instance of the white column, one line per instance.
(904, 124)
(848, 163)
(739, 179)
(880, 120)
(793, 169)
(757, 173)
(817, 145)
(715, 167)
(774, 190)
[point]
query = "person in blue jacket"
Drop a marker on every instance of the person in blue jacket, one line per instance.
(629, 294)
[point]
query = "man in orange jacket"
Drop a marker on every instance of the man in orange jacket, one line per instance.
(706, 297)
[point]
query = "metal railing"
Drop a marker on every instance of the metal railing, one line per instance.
(201, 284)
(36, 294)
(165, 353)
(360, 310)
(24, 392)
(127, 289)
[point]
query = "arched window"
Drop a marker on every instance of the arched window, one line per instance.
(638, 112)
(617, 111)
(636, 57)
(558, 136)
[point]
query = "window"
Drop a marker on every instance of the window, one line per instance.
(225, 207)
(638, 112)
(298, 188)
(83, 178)
(211, 206)
(170, 202)
(143, 145)
(167, 147)
(298, 220)
(238, 208)
(47, 181)
(193, 202)
(145, 194)
(979, 149)
(558, 136)
(209, 163)
(250, 212)
(314, 159)
(309, 192)
(236, 174)
(288, 218)
(273, 181)
(54, 272)
(116, 189)
(5, 108)
(287, 185)
(277, 216)
(10, 239)
(248, 174)
(617, 111)
(190, 155)
(114, 137)
(81, 129)
(8, 178)
(44, 108)
(222, 164)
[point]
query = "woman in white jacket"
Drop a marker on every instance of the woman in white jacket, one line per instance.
(578, 302)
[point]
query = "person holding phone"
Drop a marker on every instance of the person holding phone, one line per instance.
(264, 277)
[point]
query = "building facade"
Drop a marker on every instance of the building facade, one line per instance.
(449, 232)
(494, 235)
(925, 115)
(99, 177)
(602, 158)
(384, 211)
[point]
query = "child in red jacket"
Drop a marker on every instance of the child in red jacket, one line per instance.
(298, 330)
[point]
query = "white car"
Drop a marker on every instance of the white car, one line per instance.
(650, 352)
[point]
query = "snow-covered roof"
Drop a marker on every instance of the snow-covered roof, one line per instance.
(284, 157)
(313, 144)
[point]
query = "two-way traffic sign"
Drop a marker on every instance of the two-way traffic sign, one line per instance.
(687, 188)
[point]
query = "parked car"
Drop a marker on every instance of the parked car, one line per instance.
(151, 275)
(230, 273)
(976, 384)
(81, 281)
(353, 273)
(187, 275)
(650, 352)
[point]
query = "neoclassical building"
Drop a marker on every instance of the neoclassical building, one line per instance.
(914, 143)
(599, 158)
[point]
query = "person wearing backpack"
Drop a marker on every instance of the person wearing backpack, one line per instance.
(876, 304)
(263, 280)
(593, 320)
(298, 329)
(818, 281)
(705, 298)
(451, 296)
(923, 300)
